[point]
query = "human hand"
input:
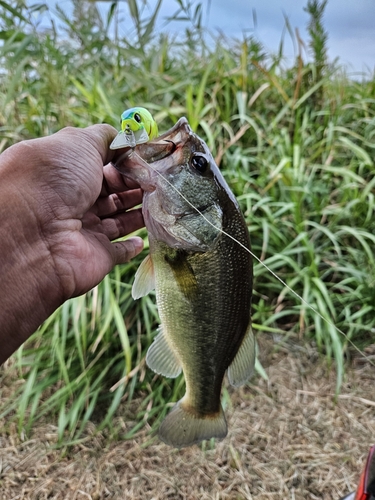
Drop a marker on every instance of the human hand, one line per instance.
(61, 205)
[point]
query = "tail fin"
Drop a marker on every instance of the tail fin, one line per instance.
(182, 428)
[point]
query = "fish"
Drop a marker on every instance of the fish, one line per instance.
(201, 270)
(137, 126)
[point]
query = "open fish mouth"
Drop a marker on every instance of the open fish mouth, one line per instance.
(167, 143)
(167, 150)
(157, 149)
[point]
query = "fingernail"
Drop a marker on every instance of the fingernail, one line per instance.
(138, 244)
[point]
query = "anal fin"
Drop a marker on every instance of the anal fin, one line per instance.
(161, 358)
(242, 367)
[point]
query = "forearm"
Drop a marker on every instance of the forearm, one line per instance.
(28, 296)
(29, 290)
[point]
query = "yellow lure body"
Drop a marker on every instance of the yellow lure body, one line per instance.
(138, 118)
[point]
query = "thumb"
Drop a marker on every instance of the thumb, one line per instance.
(123, 251)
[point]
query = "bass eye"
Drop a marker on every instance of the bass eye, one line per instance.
(200, 163)
(137, 117)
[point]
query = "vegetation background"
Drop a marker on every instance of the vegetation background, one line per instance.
(295, 143)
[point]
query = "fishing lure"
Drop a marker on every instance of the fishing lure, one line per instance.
(137, 126)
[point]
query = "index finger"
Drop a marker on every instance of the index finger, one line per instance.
(114, 182)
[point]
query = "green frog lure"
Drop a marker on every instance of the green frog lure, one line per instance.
(137, 127)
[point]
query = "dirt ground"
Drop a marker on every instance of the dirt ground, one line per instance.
(288, 439)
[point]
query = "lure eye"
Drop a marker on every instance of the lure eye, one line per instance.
(137, 117)
(200, 163)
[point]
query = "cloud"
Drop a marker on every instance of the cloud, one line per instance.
(349, 16)
(350, 25)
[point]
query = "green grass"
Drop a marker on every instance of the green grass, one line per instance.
(303, 175)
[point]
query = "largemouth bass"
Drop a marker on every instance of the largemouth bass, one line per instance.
(202, 278)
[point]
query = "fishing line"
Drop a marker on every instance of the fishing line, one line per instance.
(329, 322)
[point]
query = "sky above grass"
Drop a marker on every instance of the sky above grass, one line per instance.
(349, 23)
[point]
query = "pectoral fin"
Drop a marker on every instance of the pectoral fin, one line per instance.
(161, 358)
(144, 280)
(242, 367)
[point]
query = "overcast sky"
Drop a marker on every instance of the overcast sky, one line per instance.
(350, 24)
